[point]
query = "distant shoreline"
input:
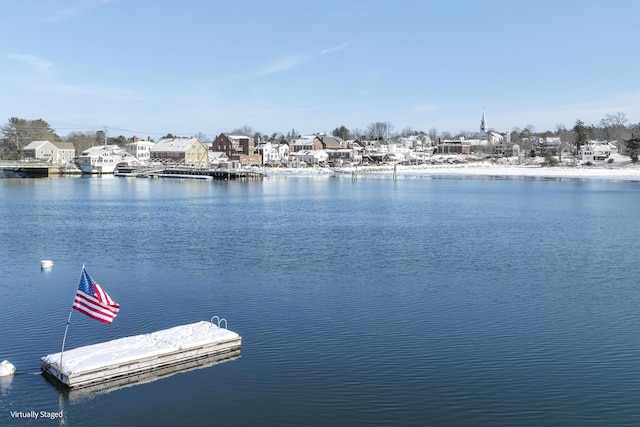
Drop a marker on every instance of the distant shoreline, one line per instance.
(621, 169)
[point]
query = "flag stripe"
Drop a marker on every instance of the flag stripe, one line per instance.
(93, 301)
(94, 308)
(88, 299)
(102, 314)
(93, 316)
(93, 313)
(90, 305)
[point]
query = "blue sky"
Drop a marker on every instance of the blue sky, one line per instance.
(151, 67)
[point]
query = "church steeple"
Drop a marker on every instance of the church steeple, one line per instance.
(483, 123)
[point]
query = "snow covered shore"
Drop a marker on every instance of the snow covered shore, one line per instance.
(620, 169)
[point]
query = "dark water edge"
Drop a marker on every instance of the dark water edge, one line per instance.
(376, 302)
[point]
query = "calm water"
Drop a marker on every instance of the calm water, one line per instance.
(416, 301)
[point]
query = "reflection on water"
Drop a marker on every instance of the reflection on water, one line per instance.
(379, 301)
(141, 378)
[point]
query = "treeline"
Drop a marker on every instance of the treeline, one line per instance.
(18, 132)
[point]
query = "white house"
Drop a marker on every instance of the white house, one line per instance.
(140, 149)
(102, 159)
(217, 158)
(304, 158)
(595, 150)
(269, 152)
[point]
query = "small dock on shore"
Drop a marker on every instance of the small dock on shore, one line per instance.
(127, 360)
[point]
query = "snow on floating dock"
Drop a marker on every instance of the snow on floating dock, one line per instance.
(114, 360)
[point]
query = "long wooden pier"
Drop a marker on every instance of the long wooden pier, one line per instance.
(44, 170)
(193, 173)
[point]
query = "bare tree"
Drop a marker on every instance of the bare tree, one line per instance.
(379, 131)
(433, 134)
(244, 130)
(407, 131)
(84, 140)
(202, 137)
(358, 134)
(615, 129)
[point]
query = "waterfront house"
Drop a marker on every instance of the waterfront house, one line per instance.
(306, 143)
(327, 142)
(140, 149)
(102, 159)
(180, 152)
(595, 150)
(239, 148)
(65, 152)
(217, 158)
(232, 144)
(274, 154)
(39, 150)
(460, 146)
(344, 156)
(50, 152)
(304, 158)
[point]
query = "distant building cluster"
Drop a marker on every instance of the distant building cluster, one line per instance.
(229, 150)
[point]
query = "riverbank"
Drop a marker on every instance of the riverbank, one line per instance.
(620, 168)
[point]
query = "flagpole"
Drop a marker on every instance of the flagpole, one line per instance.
(66, 329)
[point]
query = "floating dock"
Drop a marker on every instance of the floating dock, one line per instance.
(128, 360)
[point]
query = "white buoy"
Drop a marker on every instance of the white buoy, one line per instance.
(46, 263)
(7, 368)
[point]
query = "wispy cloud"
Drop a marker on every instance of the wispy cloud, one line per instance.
(80, 7)
(65, 89)
(293, 61)
(335, 48)
(283, 64)
(34, 61)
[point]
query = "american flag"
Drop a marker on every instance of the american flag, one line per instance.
(93, 301)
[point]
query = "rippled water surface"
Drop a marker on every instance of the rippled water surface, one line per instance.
(415, 301)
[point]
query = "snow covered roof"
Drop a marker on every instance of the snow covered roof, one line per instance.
(35, 144)
(217, 155)
(141, 144)
(174, 144)
(64, 145)
(101, 149)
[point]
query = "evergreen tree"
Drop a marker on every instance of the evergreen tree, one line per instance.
(18, 133)
(341, 132)
(581, 137)
(633, 146)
